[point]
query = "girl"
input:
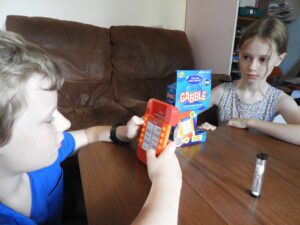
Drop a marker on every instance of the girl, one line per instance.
(251, 102)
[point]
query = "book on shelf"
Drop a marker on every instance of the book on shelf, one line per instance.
(280, 9)
(293, 80)
(244, 3)
(253, 8)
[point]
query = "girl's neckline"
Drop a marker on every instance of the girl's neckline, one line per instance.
(250, 104)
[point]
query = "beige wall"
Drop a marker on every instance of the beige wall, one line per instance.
(210, 27)
(158, 13)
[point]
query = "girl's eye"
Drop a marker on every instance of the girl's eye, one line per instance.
(245, 57)
(263, 59)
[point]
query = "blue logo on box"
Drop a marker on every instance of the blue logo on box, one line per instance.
(194, 79)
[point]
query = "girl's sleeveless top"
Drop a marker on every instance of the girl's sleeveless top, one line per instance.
(232, 107)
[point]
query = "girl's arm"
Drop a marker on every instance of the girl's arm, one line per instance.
(216, 95)
(215, 98)
(289, 132)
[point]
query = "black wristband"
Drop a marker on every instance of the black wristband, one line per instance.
(113, 136)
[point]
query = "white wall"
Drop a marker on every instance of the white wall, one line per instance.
(168, 14)
(210, 27)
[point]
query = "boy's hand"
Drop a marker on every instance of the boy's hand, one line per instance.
(133, 126)
(165, 168)
(207, 126)
(131, 130)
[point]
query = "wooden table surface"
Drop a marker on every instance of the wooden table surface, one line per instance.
(217, 178)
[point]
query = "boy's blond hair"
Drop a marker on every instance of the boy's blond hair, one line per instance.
(20, 60)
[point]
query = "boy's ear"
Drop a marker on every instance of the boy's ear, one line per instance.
(280, 58)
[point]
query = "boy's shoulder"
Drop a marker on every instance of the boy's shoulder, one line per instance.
(67, 146)
(9, 216)
(42, 183)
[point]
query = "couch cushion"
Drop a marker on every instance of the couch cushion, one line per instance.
(96, 115)
(89, 103)
(83, 53)
(81, 50)
(144, 61)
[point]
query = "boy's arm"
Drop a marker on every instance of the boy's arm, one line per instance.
(289, 132)
(102, 133)
(86, 136)
(161, 206)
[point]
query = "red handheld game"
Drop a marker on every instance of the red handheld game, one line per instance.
(155, 132)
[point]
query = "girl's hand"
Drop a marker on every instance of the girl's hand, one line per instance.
(207, 126)
(165, 168)
(239, 123)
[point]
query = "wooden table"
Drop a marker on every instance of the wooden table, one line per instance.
(217, 177)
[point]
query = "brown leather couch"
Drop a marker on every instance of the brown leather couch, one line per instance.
(110, 73)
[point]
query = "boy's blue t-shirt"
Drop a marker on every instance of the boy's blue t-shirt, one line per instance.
(46, 190)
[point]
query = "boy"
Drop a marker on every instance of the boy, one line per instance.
(33, 143)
